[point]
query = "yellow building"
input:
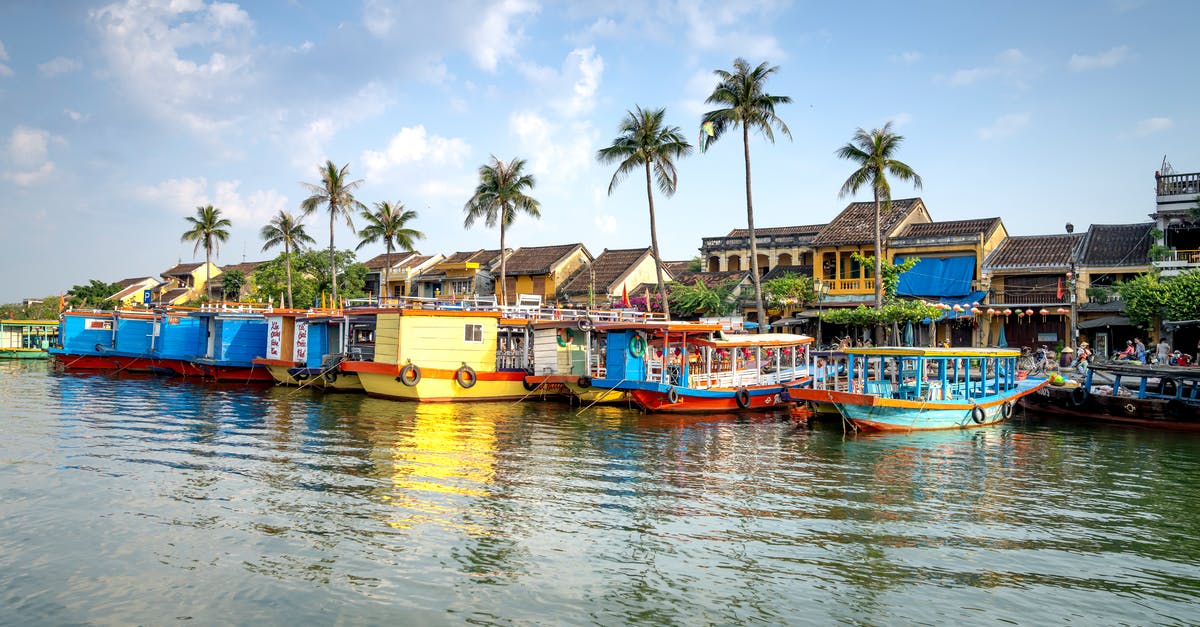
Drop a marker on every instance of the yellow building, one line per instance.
(776, 246)
(853, 231)
(186, 282)
(132, 292)
(464, 274)
(541, 270)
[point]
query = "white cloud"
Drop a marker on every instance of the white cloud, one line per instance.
(1010, 64)
(28, 156)
(415, 145)
(76, 116)
(454, 190)
(719, 27)
(606, 223)
(1149, 126)
(697, 88)
(59, 65)
(1111, 58)
(571, 91)
(32, 177)
(487, 30)
(152, 50)
(182, 196)
(902, 118)
(907, 58)
(3, 52)
(1004, 126)
(308, 142)
(558, 151)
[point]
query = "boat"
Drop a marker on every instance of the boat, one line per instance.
(286, 346)
(1126, 393)
(85, 341)
(692, 367)
(27, 339)
(234, 336)
(911, 388)
(444, 355)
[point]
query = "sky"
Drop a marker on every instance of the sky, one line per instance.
(118, 119)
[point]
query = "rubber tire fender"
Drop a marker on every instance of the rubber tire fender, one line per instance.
(585, 324)
(584, 382)
(466, 377)
(978, 414)
(742, 396)
(1079, 396)
(1006, 409)
(672, 396)
(410, 375)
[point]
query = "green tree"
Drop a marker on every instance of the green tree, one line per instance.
(93, 295)
(1145, 298)
(285, 229)
(311, 276)
(889, 270)
(744, 102)
(1182, 296)
(335, 192)
(208, 230)
(38, 309)
(699, 299)
(387, 223)
(874, 153)
(647, 142)
(231, 283)
(790, 289)
(501, 194)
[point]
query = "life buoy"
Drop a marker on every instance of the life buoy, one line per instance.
(565, 336)
(1079, 396)
(1006, 409)
(410, 375)
(585, 324)
(742, 396)
(466, 376)
(978, 414)
(637, 345)
(672, 396)
(585, 381)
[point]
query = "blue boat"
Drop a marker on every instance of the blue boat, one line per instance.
(233, 339)
(910, 389)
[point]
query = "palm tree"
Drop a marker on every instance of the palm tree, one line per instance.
(285, 229)
(335, 192)
(387, 223)
(208, 230)
(744, 103)
(872, 152)
(645, 142)
(500, 195)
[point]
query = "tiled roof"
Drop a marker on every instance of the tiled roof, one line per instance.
(856, 223)
(481, 257)
(953, 227)
(1117, 245)
(608, 267)
(808, 229)
(183, 268)
(412, 261)
(779, 271)
(538, 259)
(124, 283)
(677, 268)
(378, 261)
(247, 267)
(709, 279)
(170, 296)
(1034, 251)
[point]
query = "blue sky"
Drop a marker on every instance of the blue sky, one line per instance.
(118, 119)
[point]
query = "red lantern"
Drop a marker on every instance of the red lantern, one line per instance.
(1063, 312)
(991, 312)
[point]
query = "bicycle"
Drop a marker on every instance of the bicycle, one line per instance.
(1036, 362)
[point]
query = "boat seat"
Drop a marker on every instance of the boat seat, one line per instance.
(879, 388)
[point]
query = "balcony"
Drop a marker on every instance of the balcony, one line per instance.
(851, 286)
(713, 244)
(1178, 184)
(1178, 261)
(1025, 297)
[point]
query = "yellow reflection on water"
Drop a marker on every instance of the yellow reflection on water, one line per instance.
(441, 464)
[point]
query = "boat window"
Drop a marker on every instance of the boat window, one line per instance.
(473, 334)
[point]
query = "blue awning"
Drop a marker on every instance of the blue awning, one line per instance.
(937, 277)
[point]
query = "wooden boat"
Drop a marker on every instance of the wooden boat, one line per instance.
(1129, 394)
(568, 354)
(444, 355)
(909, 389)
(27, 339)
(286, 347)
(85, 340)
(234, 337)
(689, 367)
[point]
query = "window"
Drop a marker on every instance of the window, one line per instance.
(473, 334)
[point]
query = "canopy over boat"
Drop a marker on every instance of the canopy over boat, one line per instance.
(750, 341)
(933, 351)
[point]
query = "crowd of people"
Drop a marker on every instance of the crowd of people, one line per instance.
(1135, 352)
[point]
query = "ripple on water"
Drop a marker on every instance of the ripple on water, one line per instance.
(130, 499)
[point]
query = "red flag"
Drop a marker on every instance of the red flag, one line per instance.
(1060, 290)
(625, 304)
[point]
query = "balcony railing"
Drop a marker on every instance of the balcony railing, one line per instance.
(851, 286)
(1182, 257)
(1179, 184)
(1029, 297)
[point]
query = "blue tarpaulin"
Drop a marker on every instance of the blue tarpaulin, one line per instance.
(937, 277)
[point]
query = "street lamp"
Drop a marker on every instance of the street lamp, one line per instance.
(1071, 280)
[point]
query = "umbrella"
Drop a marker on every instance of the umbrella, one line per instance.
(908, 333)
(1002, 342)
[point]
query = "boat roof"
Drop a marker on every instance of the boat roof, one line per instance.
(44, 323)
(764, 339)
(672, 326)
(1126, 369)
(934, 351)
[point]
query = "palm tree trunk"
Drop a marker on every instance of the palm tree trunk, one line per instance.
(758, 301)
(503, 266)
(208, 269)
(878, 255)
(662, 287)
(332, 263)
(387, 271)
(287, 260)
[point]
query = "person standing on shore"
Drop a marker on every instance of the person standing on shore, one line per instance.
(1164, 352)
(1139, 349)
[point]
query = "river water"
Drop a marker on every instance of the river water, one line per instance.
(151, 501)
